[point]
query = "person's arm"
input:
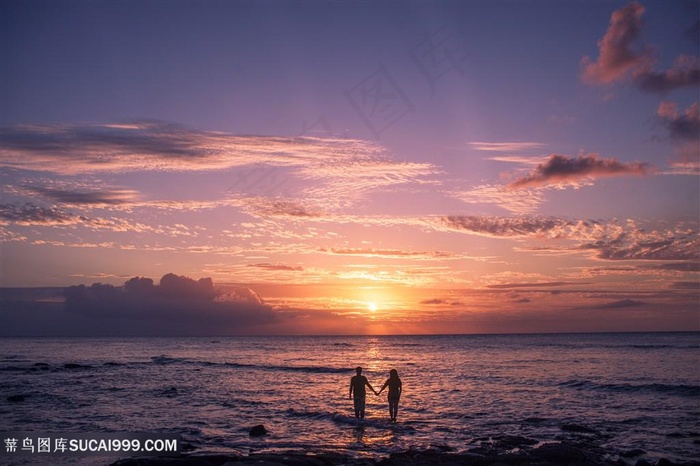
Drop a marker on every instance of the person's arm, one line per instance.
(400, 388)
(371, 388)
(383, 387)
(351, 388)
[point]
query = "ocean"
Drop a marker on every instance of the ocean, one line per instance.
(622, 391)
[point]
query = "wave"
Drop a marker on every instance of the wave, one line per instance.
(343, 419)
(651, 346)
(668, 389)
(167, 360)
(13, 369)
(274, 367)
(162, 360)
(42, 366)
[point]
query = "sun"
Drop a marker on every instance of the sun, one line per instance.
(372, 307)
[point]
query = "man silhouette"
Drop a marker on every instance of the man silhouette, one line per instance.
(357, 388)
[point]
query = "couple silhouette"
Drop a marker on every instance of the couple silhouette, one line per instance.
(358, 393)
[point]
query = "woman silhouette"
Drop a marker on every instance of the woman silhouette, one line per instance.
(394, 384)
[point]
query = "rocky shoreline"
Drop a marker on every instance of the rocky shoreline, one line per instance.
(504, 451)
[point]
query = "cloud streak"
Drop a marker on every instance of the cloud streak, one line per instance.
(608, 241)
(388, 253)
(506, 146)
(277, 267)
(30, 214)
(334, 171)
(156, 146)
(500, 195)
(507, 227)
(92, 198)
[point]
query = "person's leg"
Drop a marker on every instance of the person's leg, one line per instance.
(361, 404)
(393, 408)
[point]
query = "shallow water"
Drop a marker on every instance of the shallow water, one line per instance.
(631, 390)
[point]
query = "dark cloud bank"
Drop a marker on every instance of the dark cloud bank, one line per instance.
(177, 305)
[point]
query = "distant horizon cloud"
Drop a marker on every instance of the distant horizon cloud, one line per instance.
(622, 304)
(563, 169)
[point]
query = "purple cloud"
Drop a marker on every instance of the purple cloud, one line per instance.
(681, 126)
(564, 169)
(108, 197)
(30, 214)
(684, 73)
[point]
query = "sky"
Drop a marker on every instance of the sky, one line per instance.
(221, 167)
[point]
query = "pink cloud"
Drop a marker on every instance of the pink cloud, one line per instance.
(503, 197)
(616, 57)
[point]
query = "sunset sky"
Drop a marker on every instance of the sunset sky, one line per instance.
(345, 167)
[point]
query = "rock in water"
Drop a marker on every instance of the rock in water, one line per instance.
(633, 453)
(665, 462)
(258, 430)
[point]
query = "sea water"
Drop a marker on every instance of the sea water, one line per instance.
(621, 391)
